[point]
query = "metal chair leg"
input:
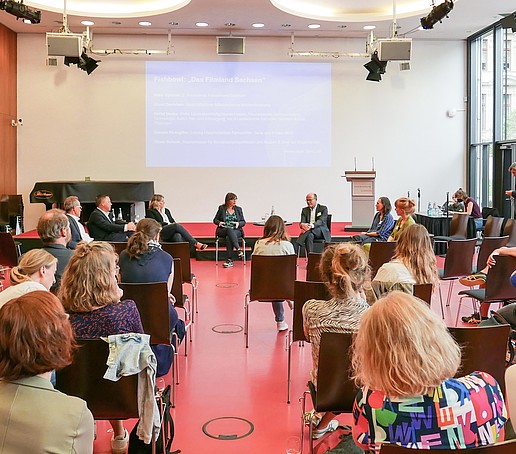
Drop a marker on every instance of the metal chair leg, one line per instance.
(246, 321)
(289, 359)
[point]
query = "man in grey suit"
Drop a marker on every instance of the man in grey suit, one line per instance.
(73, 209)
(313, 224)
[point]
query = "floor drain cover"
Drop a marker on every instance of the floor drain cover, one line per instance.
(227, 329)
(228, 428)
(227, 285)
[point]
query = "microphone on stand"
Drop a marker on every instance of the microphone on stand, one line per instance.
(418, 200)
(447, 204)
(408, 194)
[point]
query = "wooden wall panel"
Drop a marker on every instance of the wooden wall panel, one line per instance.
(8, 110)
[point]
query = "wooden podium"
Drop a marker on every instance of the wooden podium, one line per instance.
(362, 198)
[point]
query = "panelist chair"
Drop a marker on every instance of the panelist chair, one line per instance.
(303, 291)
(182, 251)
(336, 389)
(506, 447)
(219, 241)
(319, 240)
(312, 267)
(272, 278)
(152, 301)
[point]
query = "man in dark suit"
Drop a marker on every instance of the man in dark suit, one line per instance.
(313, 224)
(102, 228)
(73, 209)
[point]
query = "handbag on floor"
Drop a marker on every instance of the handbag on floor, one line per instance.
(137, 446)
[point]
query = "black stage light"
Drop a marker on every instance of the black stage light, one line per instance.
(509, 21)
(83, 62)
(21, 11)
(437, 14)
(376, 68)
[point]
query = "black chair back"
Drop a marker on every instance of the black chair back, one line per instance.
(119, 246)
(510, 230)
(312, 267)
(381, 252)
(423, 292)
(493, 226)
(489, 244)
(459, 258)
(181, 251)
(498, 284)
(272, 277)
(459, 226)
(8, 253)
(304, 291)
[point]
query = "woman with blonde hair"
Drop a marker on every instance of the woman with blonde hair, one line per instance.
(413, 263)
(90, 294)
(275, 241)
(35, 271)
(172, 231)
(405, 359)
(404, 208)
(344, 270)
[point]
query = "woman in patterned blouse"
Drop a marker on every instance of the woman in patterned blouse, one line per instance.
(90, 294)
(344, 270)
(405, 360)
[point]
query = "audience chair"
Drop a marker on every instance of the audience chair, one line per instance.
(8, 251)
(506, 447)
(510, 230)
(489, 244)
(493, 226)
(219, 241)
(381, 252)
(510, 386)
(483, 348)
(14, 209)
(458, 229)
(423, 292)
(303, 291)
(458, 263)
(152, 302)
(182, 251)
(498, 288)
(182, 300)
(336, 389)
(272, 278)
(312, 267)
(119, 246)
(4, 217)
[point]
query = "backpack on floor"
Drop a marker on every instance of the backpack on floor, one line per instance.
(137, 446)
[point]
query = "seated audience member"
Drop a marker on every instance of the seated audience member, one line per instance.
(73, 209)
(479, 278)
(102, 228)
(91, 296)
(172, 231)
(145, 261)
(54, 231)
(313, 225)
(405, 359)
(35, 271)
(471, 207)
(275, 241)
(404, 208)
(381, 227)
(344, 270)
(35, 339)
(413, 263)
(229, 220)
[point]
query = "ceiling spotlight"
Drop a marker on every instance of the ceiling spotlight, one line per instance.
(314, 26)
(376, 68)
(258, 25)
(437, 14)
(87, 22)
(21, 11)
(509, 21)
(202, 24)
(369, 27)
(83, 62)
(145, 23)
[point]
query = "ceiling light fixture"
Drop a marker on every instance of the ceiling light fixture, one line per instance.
(369, 27)
(201, 24)
(145, 23)
(437, 14)
(258, 25)
(314, 26)
(21, 11)
(376, 68)
(87, 22)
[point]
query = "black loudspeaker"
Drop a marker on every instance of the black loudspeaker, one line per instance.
(230, 45)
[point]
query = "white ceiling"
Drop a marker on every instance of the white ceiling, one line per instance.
(338, 18)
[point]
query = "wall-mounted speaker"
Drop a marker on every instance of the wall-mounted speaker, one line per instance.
(394, 49)
(230, 45)
(64, 44)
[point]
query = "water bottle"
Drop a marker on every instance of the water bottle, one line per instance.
(120, 216)
(18, 226)
(112, 214)
(435, 210)
(429, 209)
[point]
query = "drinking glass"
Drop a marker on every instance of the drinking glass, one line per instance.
(293, 445)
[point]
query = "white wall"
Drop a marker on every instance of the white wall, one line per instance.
(75, 125)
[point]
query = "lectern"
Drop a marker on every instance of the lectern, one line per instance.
(362, 198)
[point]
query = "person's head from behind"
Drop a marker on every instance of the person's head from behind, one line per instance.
(460, 195)
(274, 229)
(54, 227)
(403, 348)
(383, 205)
(230, 199)
(35, 265)
(157, 202)
(146, 230)
(90, 278)
(405, 206)
(35, 336)
(344, 269)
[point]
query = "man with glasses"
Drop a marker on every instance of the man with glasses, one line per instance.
(73, 209)
(313, 224)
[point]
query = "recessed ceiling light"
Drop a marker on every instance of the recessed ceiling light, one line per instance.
(202, 24)
(87, 22)
(314, 26)
(286, 25)
(369, 27)
(144, 23)
(258, 25)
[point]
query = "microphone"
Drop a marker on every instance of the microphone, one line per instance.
(418, 200)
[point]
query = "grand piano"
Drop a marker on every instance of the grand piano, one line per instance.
(132, 197)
